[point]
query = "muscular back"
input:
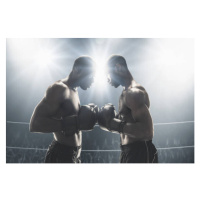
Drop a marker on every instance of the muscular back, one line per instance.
(134, 108)
(59, 101)
(124, 111)
(64, 101)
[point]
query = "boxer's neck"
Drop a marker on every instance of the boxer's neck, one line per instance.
(70, 81)
(128, 81)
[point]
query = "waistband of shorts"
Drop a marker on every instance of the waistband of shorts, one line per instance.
(133, 144)
(64, 146)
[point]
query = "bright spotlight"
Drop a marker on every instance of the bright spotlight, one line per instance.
(43, 58)
(100, 78)
(37, 53)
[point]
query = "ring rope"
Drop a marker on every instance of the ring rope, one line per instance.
(105, 150)
(24, 148)
(155, 124)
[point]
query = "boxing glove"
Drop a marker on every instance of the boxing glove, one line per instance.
(87, 117)
(107, 119)
(85, 120)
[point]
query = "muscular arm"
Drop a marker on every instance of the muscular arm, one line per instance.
(142, 128)
(43, 120)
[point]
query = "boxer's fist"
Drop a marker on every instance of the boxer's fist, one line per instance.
(85, 120)
(87, 117)
(96, 110)
(106, 114)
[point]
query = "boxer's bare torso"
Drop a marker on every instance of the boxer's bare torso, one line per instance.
(61, 101)
(69, 107)
(128, 115)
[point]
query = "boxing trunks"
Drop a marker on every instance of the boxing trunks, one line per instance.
(139, 152)
(60, 153)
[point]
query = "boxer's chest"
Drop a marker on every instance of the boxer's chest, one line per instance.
(70, 105)
(124, 112)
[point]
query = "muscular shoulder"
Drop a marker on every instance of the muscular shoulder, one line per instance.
(134, 97)
(56, 91)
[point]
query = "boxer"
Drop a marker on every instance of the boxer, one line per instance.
(133, 121)
(60, 112)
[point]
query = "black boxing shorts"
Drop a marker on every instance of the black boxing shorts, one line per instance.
(139, 152)
(60, 153)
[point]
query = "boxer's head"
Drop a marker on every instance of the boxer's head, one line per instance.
(84, 70)
(117, 69)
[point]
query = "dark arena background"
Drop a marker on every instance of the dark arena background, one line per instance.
(165, 67)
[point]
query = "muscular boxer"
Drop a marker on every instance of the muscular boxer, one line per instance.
(133, 122)
(60, 112)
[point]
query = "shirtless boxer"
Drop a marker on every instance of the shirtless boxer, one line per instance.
(60, 112)
(133, 122)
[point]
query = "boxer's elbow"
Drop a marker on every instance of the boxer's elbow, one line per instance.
(34, 125)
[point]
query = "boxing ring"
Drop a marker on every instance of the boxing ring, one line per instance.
(169, 150)
(163, 66)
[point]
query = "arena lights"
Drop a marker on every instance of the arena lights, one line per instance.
(41, 57)
(44, 57)
(100, 79)
(36, 53)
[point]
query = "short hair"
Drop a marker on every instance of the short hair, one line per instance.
(83, 62)
(114, 59)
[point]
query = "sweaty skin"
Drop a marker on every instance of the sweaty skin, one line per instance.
(134, 109)
(59, 101)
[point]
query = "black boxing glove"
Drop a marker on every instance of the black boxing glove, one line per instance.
(107, 119)
(87, 117)
(85, 120)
